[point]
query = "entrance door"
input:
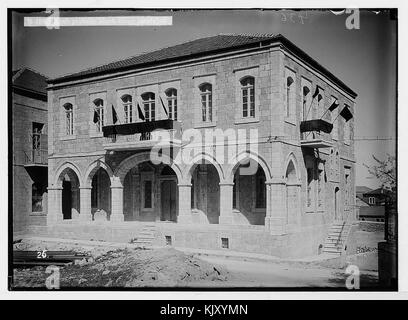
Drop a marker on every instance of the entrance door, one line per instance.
(66, 199)
(168, 201)
(336, 203)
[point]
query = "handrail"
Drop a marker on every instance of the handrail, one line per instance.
(345, 222)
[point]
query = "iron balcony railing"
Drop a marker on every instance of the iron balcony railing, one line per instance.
(37, 154)
(139, 131)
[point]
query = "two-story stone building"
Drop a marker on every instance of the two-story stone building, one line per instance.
(29, 137)
(103, 125)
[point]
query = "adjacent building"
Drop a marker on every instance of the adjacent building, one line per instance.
(371, 203)
(276, 190)
(29, 134)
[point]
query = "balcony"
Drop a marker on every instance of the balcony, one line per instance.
(315, 134)
(142, 135)
(37, 156)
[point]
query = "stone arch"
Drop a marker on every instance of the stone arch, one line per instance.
(67, 168)
(291, 160)
(237, 161)
(206, 157)
(134, 160)
(92, 168)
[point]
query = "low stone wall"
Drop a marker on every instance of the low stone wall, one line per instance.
(371, 226)
(251, 239)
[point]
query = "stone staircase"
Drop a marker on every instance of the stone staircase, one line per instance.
(337, 237)
(146, 236)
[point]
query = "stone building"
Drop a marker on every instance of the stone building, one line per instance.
(29, 134)
(277, 196)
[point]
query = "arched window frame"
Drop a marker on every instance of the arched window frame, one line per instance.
(290, 95)
(99, 108)
(206, 99)
(171, 97)
(127, 105)
(306, 94)
(248, 97)
(149, 106)
(69, 119)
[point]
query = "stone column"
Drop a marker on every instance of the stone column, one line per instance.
(184, 203)
(85, 203)
(117, 200)
(226, 203)
(54, 213)
(275, 219)
(136, 195)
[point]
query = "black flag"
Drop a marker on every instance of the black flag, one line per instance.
(346, 113)
(334, 105)
(141, 115)
(164, 108)
(316, 92)
(114, 115)
(96, 117)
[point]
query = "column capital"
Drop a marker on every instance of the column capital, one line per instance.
(226, 183)
(184, 184)
(54, 188)
(85, 188)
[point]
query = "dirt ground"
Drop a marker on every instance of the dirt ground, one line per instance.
(167, 267)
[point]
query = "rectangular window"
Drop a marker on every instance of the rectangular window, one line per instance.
(320, 189)
(371, 200)
(309, 187)
(147, 194)
(37, 198)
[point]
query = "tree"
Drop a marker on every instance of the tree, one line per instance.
(385, 171)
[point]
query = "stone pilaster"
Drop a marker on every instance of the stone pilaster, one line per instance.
(54, 214)
(117, 201)
(275, 219)
(226, 203)
(85, 203)
(184, 203)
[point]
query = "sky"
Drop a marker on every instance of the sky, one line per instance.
(364, 58)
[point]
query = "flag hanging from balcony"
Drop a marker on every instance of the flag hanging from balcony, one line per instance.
(114, 115)
(346, 113)
(334, 105)
(96, 117)
(164, 108)
(316, 92)
(140, 112)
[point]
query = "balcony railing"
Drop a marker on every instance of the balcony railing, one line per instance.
(315, 133)
(36, 158)
(141, 135)
(37, 155)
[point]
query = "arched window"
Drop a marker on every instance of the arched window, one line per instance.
(305, 106)
(127, 108)
(171, 95)
(206, 101)
(320, 104)
(149, 106)
(100, 113)
(289, 95)
(69, 119)
(248, 97)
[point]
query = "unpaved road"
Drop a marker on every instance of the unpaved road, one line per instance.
(277, 275)
(167, 267)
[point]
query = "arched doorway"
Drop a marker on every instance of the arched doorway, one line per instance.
(168, 195)
(292, 194)
(336, 203)
(249, 192)
(101, 192)
(70, 205)
(205, 193)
